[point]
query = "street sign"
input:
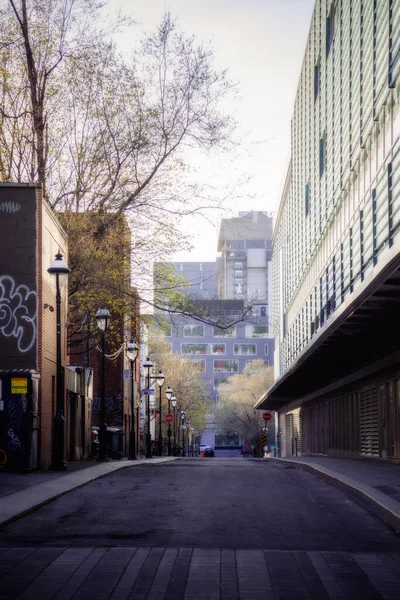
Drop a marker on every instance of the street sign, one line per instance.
(127, 374)
(183, 426)
(19, 385)
(267, 416)
(263, 439)
(169, 418)
(148, 391)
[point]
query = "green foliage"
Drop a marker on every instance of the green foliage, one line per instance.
(99, 259)
(182, 376)
(235, 411)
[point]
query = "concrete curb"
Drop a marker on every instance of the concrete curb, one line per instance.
(380, 504)
(19, 504)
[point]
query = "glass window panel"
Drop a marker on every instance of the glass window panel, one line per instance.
(229, 332)
(218, 348)
(226, 366)
(255, 243)
(256, 331)
(193, 330)
(200, 364)
(196, 349)
(245, 349)
(237, 244)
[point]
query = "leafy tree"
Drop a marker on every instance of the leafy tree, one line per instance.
(235, 411)
(100, 276)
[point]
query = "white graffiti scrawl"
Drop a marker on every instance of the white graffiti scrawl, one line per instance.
(9, 207)
(18, 312)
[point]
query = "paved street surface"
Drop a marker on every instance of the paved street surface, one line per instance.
(220, 529)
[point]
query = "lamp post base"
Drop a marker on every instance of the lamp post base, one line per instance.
(58, 462)
(148, 447)
(102, 455)
(132, 446)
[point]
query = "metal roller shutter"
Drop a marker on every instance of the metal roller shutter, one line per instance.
(369, 432)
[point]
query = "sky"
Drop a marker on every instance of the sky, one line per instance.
(262, 44)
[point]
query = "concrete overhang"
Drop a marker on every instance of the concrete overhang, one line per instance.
(363, 329)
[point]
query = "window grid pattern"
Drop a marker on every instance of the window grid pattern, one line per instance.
(352, 210)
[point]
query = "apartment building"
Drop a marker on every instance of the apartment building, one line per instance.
(336, 263)
(243, 267)
(221, 352)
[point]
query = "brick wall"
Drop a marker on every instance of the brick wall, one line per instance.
(51, 239)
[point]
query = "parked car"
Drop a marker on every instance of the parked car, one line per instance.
(209, 451)
(202, 447)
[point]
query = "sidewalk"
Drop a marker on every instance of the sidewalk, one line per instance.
(45, 486)
(375, 483)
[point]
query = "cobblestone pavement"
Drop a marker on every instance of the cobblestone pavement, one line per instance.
(195, 574)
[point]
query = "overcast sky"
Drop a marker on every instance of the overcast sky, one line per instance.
(262, 44)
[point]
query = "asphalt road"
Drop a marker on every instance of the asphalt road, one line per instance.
(213, 503)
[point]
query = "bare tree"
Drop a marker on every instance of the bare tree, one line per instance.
(105, 134)
(238, 396)
(182, 375)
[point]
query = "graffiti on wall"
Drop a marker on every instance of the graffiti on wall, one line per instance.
(18, 312)
(14, 441)
(9, 207)
(113, 404)
(18, 277)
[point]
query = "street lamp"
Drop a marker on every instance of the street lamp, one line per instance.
(188, 437)
(60, 269)
(160, 382)
(148, 365)
(173, 402)
(132, 353)
(169, 393)
(103, 318)
(183, 427)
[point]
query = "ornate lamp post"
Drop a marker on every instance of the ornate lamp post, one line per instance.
(160, 382)
(173, 402)
(148, 365)
(103, 318)
(132, 353)
(183, 427)
(169, 393)
(60, 269)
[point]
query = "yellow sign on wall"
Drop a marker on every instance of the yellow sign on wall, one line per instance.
(19, 385)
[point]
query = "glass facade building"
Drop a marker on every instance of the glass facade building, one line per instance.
(337, 234)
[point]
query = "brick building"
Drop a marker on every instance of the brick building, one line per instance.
(108, 285)
(30, 237)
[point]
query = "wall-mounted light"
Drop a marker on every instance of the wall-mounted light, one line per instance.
(51, 308)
